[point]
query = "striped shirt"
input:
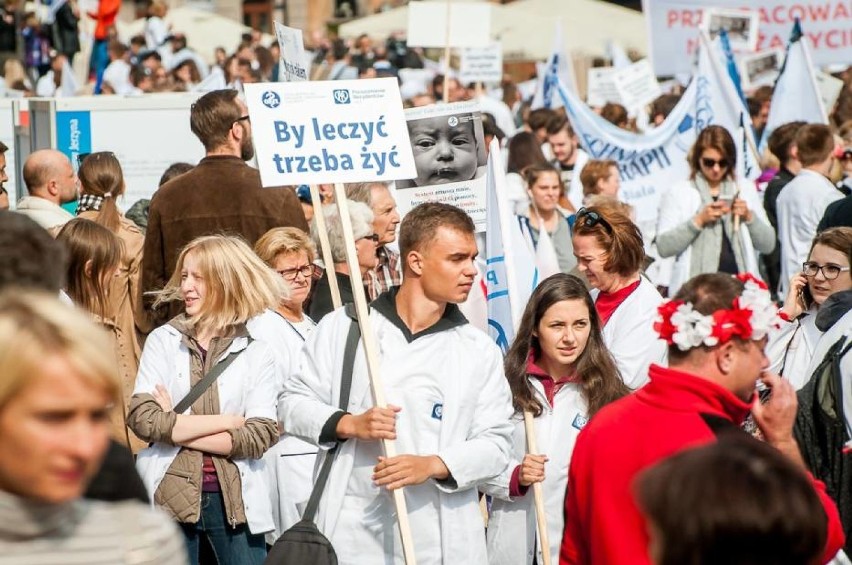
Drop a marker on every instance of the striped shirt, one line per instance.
(87, 532)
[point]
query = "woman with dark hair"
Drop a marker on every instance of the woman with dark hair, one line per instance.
(524, 151)
(559, 370)
(544, 186)
(712, 223)
(610, 253)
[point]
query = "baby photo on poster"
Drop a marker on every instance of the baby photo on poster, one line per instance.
(447, 147)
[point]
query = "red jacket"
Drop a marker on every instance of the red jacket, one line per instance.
(673, 412)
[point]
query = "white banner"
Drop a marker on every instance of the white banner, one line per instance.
(293, 60)
(481, 64)
(449, 153)
(329, 132)
(650, 163)
(673, 27)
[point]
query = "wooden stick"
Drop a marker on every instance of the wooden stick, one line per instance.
(371, 352)
(538, 495)
(736, 225)
(325, 247)
(447, 59)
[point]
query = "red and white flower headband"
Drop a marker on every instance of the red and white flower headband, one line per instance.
(752, 316)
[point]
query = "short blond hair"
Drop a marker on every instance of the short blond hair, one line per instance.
(239, 285)
(284, 240)
(35, 325)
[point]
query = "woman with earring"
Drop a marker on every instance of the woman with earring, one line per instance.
(711, 223)
(560, 371)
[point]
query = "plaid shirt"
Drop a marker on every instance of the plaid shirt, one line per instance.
(386, 275)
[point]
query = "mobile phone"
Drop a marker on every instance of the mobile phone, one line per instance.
(806, 295)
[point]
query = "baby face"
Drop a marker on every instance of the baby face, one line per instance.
(444, 150)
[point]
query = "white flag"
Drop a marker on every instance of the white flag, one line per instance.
(559, 68)
(545, 255)
(796, 96)
(68, 85)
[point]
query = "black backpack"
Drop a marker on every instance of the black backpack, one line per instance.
(303, 543)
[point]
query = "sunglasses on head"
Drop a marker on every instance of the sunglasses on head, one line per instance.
(710, 163)
(592, 219)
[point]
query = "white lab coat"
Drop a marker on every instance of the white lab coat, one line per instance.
(790, 348)
(247, 388)
(801, 206)
(290, 462)
(512, 532)
(630, 337)
(681, 203)
(469, 429)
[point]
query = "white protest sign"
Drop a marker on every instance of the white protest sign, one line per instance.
(449, 151)
(600, 87)
(636, 85)
(469, 23)
(741, 26)
(481, 64)
(760, 69)
(329, 131)
(673, 27)
(829, 89)
(293, 60)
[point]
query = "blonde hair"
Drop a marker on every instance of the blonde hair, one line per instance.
(284, 240)
(239, 285)
(36, 325)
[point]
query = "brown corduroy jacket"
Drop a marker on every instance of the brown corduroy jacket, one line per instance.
(221, 195)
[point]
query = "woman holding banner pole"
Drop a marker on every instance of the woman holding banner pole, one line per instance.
(560, 371)
(711, 223)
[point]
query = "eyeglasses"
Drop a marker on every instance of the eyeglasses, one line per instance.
(829, 271)
(593, 219)
(710, 163)
(373, 236)
(241, 118)
(292, 274)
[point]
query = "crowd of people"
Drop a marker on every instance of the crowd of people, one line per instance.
(187, 355)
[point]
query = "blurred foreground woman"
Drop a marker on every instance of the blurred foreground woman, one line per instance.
(58, 382)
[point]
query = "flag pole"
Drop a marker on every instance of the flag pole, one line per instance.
(447, 65)
(325, 247)
(371, 353)
(538, 494)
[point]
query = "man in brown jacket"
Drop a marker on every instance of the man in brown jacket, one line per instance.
(222, 194)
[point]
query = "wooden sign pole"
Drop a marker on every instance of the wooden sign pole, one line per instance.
(325, 247)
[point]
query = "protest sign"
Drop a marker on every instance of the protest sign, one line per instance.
(600, 87)
(293, 61)
(469, 24)
(741, 26)
(86, 124)
(329, 131)
(481, 64)
(673, 27)
(449, 152)
(636, 84)
(760, 69)
(829, 89)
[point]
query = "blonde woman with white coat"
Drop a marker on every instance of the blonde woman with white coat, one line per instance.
(560, 370)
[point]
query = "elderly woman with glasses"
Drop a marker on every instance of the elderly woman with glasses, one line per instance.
(826, 272)
(711, 223)
(366, 246)
(610, 253)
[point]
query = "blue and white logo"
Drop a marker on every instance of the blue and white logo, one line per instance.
(580, 421)
(341, 96)
(453, 121)
(438, 411)
(270, 99)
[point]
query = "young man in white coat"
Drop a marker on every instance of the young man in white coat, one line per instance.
(449, 407)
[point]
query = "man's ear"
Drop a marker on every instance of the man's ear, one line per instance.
(415, 262)
(725, 357)
(52, 188)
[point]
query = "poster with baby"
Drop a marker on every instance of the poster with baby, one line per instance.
(449, 154)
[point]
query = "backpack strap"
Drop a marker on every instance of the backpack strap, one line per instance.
(214, 373)
(345, 388)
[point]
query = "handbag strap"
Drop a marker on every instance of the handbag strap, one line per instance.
(214, 373)
(345, 388)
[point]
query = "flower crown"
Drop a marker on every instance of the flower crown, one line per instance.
(752, 316)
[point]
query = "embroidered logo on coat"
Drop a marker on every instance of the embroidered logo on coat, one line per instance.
(579, 421)
(438, 411)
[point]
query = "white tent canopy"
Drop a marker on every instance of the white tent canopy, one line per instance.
(525, 28)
